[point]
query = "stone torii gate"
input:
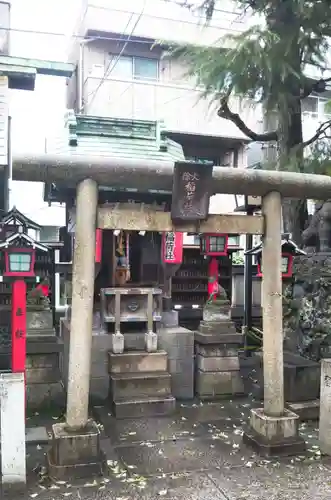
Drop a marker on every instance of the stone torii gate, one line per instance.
(77, 439)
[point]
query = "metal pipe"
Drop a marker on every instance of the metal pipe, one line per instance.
(80, 77)
(152, 174)
(8, 173)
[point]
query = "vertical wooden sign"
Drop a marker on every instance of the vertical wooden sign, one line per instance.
(191, 191)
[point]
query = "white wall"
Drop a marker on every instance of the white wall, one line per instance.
(39, 113)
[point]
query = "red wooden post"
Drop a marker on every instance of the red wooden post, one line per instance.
(18, 326)
(98, 246)
(213, 277)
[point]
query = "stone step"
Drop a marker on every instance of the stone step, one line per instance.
(137, 362)
(144, 407)
(213, 385)
(139, 385)
(41, 332)
(218, 327)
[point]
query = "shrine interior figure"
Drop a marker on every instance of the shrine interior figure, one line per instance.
(122, 258)
(129, 258)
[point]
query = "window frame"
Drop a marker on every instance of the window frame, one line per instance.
(133, 74)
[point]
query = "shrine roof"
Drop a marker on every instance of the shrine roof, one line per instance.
(17, 218)
(114, 137)
(286, 243)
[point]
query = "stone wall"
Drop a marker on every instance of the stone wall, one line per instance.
(307, 307)
(101, 345)
(43, 377)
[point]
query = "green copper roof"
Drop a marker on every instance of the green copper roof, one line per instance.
(113, 137)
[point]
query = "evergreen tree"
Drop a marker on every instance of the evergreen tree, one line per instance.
(268, 64)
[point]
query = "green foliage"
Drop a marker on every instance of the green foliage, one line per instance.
(237, 258)
(264, 63)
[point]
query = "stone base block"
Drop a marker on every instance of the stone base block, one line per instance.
(218, 339)
(136, 362)
(217, 364)
(220, 351)
(178, 343)
(285, 448)
(36, 435)
(306, 410)
(213, 385)
(149, 407)
(131, 385)
(75, 454)
(301, 378)
(217, 327)
(45, 396)
(274, 435)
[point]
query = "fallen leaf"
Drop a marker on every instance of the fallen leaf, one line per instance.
(88, 485)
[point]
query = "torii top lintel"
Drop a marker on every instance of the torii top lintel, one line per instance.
(150, 174)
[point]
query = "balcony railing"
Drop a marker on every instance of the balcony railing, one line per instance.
(179, 107)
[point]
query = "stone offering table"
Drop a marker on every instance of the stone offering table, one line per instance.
(140, 384)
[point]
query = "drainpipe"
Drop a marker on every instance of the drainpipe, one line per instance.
(8, 171)
(80, 74)
(80, 77)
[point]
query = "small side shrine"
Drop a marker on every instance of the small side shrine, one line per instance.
(289, 251)
(22, 255)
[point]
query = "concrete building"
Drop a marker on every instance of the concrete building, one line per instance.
(121, 73)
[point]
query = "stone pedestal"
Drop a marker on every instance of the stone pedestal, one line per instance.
(39, 323)
(301, 385)
(12, 429)
(274, 435)
(217, 343)
(178, 342)
(325, 409)
(75, 454)
(140, 385)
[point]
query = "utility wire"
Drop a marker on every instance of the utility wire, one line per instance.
(110, 69)
(111, 60)
(82, 37)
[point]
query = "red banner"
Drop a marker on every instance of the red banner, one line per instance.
(172, 248)
(18, 326)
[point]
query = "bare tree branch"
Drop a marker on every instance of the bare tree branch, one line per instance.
(225, 112)
(320, 132)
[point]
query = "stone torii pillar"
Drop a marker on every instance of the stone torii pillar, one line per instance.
(273, 429)
(75, 445)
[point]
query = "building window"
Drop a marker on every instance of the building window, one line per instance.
(197, 159)
(137, 68)
(314, 106)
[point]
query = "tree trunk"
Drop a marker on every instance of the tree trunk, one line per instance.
(290, 156)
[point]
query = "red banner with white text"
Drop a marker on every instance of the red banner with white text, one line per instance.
(172, 248)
